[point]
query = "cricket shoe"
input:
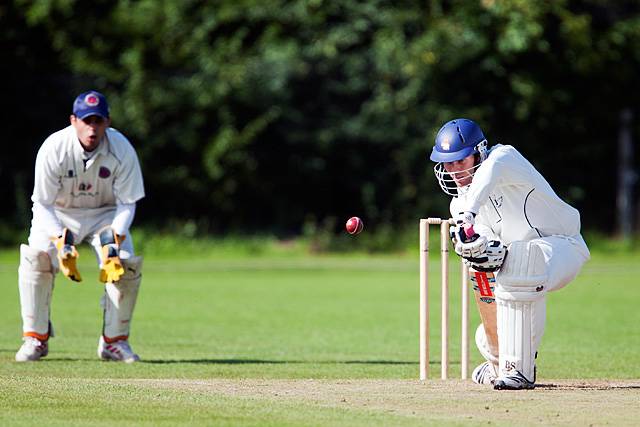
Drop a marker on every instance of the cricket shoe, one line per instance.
(514, 380)
(484, 374)
(119, 351)
(32, 349)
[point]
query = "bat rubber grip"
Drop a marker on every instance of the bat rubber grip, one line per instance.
(468, 230)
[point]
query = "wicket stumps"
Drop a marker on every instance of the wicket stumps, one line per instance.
(424, 301)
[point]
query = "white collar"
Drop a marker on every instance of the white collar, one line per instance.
(90, 156)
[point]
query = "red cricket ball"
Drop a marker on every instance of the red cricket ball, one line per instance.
(354, 225)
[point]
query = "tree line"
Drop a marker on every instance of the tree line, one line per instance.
(269, 116)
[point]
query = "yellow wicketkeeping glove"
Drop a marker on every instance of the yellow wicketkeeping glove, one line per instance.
(67, 255)
(111, 269)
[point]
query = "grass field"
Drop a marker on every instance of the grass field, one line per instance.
(291, 339)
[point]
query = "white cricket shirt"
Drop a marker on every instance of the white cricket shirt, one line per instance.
(73, 181)
(513, 201)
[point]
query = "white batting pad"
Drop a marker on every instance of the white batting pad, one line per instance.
(119, 299)
(523, 275)
(35, 282)
(520, 328)
(483, 345)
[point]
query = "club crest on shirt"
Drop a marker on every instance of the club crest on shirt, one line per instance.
(497, 201)
(85, 189)
(104, 172)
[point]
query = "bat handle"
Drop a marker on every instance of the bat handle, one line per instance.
(469, 231)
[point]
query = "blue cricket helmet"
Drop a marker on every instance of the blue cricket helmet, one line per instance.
(456, 140)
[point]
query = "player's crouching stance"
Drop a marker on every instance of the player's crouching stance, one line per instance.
(87, 183)
(519, 239)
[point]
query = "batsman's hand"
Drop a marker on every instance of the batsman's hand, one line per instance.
(466, 242)
(466, 217)
(67, 255)
(111, 269)
(474, 247)
(492, 258)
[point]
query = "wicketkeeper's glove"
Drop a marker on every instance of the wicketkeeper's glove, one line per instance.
(110, 265)
(67, 255)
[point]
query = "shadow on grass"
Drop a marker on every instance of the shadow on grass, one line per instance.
(54, 359)
(583, 386)
(277, 362)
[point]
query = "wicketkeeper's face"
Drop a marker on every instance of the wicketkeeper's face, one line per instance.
(90, 130)
(461, 170)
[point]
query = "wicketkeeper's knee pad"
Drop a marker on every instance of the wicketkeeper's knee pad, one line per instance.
(483, 346)
(119, 300)
(523, 274)
(35, 282)
(520, 329)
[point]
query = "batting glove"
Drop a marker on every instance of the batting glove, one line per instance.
(475, 247)
(67, 255)
(111, 269)
(466, 217)
(492, 259)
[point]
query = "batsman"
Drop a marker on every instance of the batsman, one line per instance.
(87, 182)
(519, 239)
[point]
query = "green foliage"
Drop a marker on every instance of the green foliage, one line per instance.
(257, 116)
(186, 242)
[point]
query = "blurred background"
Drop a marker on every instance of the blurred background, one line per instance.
(284, 118)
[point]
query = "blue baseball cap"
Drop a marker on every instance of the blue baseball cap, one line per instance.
(90, 103)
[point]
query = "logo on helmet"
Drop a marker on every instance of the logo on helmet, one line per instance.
(445, 145)
(91, 100)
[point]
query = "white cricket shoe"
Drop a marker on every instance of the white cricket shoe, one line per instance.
(513, 380)
(119, 351)
(32, 349)
(485, 374)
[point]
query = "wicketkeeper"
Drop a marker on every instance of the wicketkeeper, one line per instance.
(519, 238)
(87, 183)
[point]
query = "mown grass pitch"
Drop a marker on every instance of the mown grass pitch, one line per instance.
(311, 340)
